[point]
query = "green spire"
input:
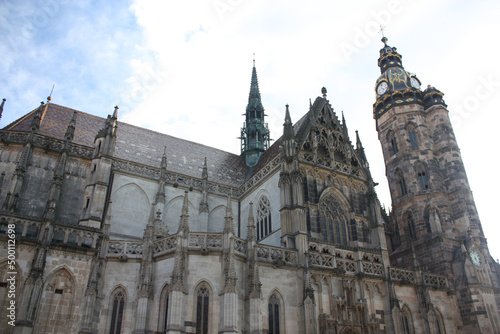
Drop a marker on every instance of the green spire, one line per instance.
(255, 133)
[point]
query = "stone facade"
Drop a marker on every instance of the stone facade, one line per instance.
(120, 229)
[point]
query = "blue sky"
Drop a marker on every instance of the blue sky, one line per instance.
(183, 67)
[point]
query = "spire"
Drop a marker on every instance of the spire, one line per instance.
(254, 100)
(360, 150)
(359, 146)
(164, 158)
(204, 188)
(37, 118)
(70, 131)
(255, 133)
(1, 107)
(251, 225)
(344, 127)
(184, 223)
(228, 219)
(287, 126)
(115, 112)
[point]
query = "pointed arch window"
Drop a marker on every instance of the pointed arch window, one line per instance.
(202, 305)
(393, 142)
(422, 177)
(332, 221)
(264, 226)
(412, 137)
(402, 183)
(411, 226)
(117, 313)
(406, 321)
(163, 312)
(274, 314)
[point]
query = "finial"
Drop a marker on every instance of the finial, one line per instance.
(1, 107)
(323, 91)
(254, 59)
(115, 113)
(49, 98)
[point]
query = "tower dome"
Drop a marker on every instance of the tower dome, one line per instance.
(395, 85)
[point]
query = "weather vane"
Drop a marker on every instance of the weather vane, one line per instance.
(382, 30)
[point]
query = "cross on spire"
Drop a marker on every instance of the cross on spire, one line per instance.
(382, 30)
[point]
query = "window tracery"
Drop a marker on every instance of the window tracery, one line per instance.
(412, 137)
(274, 314)
(117, 313)
(333, 221)
(202, 305)
(264, 225)
(422, 178)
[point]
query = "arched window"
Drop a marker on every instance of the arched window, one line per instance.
(406, 321)
(274, 314)
(163, 310)
(412, 137)
(332, 221)
(118, 304)
(264, 227)
(391, 137)
(202, 310)
(411, 226)
(422, 178)
(402, 183)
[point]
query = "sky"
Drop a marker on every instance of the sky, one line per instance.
(184, 67)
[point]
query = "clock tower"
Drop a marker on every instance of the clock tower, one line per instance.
(434, 220)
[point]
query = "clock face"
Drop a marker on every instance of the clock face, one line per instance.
(382, 88)
(415, 83)
(476, 259)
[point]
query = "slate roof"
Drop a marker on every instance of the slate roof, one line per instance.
(142, 145)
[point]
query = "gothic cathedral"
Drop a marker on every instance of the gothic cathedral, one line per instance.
(110, 228)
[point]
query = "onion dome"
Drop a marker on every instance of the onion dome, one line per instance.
(395, 86)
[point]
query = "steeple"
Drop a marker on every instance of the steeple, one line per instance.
(395, 86)
(254, 133)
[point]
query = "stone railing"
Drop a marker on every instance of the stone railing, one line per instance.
(240, 246)
(47, 143)
(276, 255)
(437, 281)
(346, 260)
(409, 277)
(403, 275)
(125, 249)
(164, 245)
(70, 235)
(205, 240)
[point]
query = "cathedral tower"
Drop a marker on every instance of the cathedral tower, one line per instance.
(254, 133)
(436, 224)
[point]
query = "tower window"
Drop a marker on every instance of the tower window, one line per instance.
(402, 183)
(264, 227)
(412, 136)
(422, 178)
(393, 142)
